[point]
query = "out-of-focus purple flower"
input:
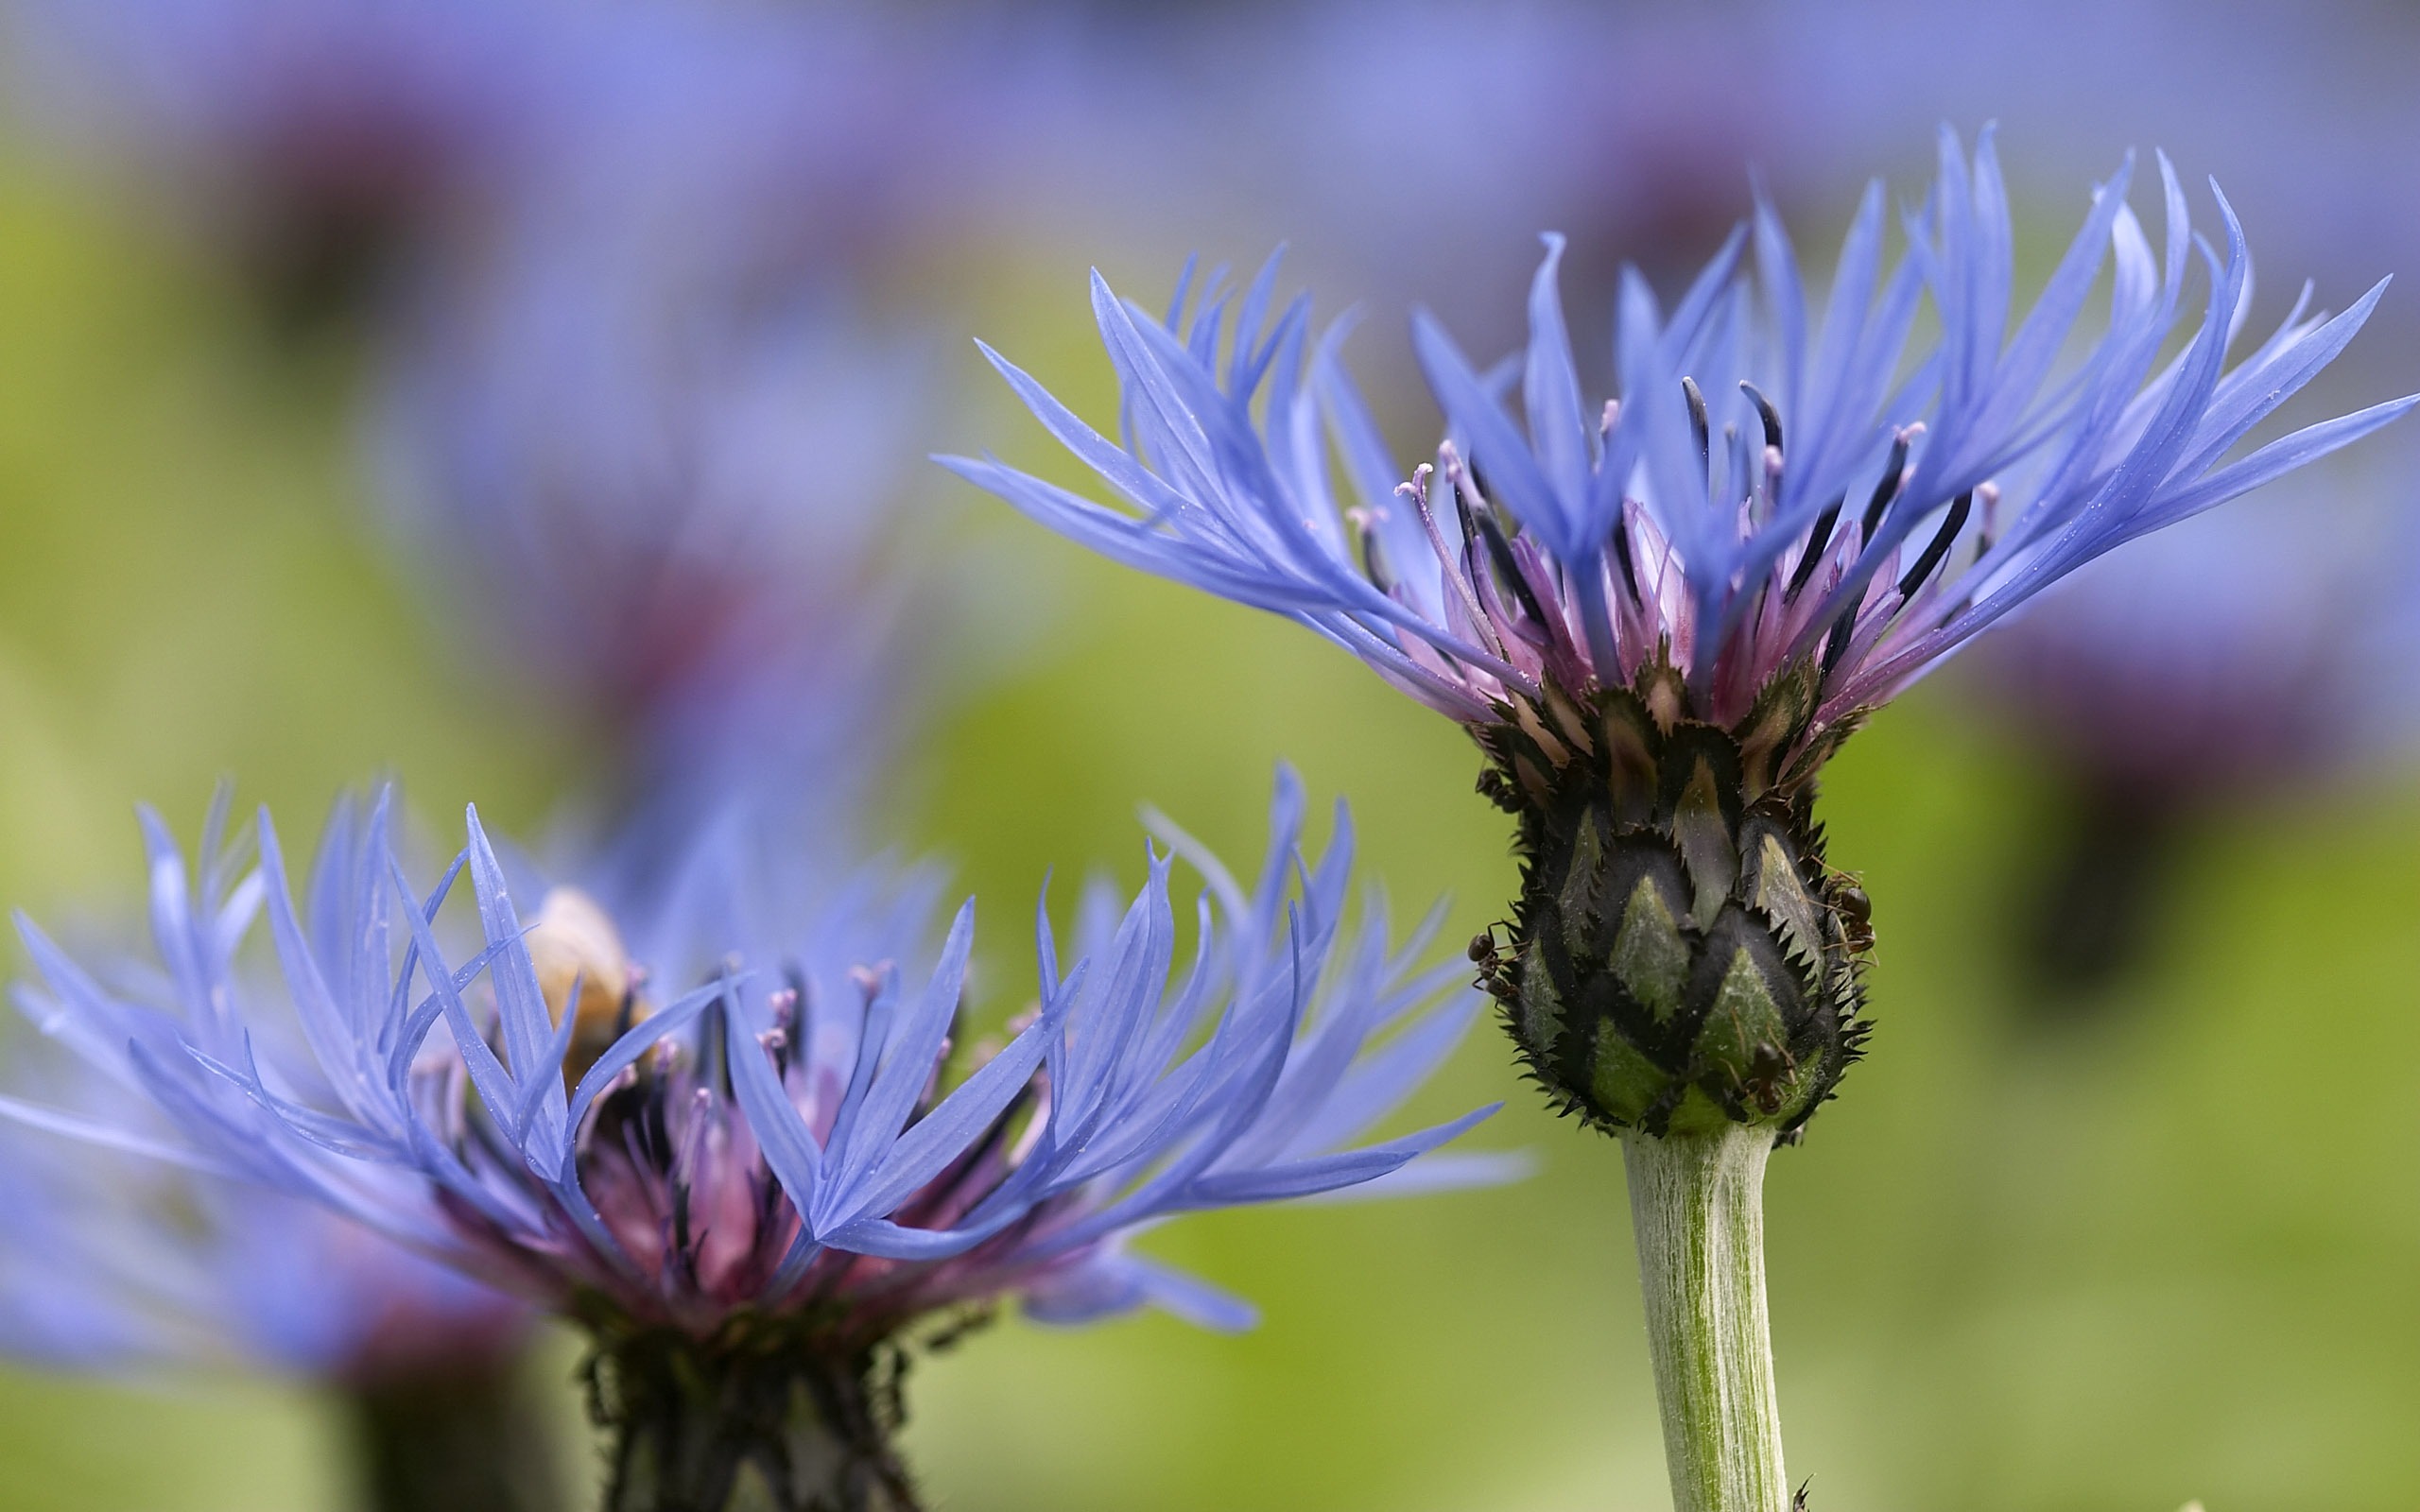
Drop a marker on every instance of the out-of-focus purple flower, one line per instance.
(2243, 660)
(1339, 126)
(662, 515)
(117, 1260)
(121, 1257)
(1885, 504)
(646, 448)
(765, 1126)
(2242, 657)
(321, 141)
(315, 140)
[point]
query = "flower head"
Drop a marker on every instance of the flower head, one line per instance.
(1659, 615)
(1774, 496)
(792, 1137)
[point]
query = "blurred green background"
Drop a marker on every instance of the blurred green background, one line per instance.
(2165, 1254)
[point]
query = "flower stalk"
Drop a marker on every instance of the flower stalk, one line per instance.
(456, 1440)
(1697, 1207)
(750, 1420)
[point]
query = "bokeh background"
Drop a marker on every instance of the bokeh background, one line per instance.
(2113, 1243)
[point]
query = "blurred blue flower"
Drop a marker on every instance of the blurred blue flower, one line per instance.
(116, 1261)
(314, 142)
(1296, 122)
(670, 520)
(776, 1137)
(1837, 503)
(2247, 657)
(333, 145)
(2240, 663)
(646, 448)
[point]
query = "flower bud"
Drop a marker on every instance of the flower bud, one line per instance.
(1681, 956)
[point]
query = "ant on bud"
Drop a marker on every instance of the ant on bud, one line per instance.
(1499, 975)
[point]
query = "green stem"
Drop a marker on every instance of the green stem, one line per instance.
(1697, 1205)
(471, 1439)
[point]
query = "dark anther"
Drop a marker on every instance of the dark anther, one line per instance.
(1940, 543)
(1837, 645)
(1817, 539)
(1621, 557)
(1698, 421)
(714, 1053)
(1765, 412)
(1371, 565)
(1500, 551)
(1884, 491)
(681, 1218)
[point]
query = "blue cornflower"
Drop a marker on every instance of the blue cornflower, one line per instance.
(1772, 491)
(1660, 615)
(754, 1148)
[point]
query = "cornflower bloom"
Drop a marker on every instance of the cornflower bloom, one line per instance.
(753, 1192)
(1660, 616)
(2240, 665)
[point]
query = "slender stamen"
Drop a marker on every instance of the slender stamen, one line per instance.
(1417, 491)
(1500, 551)
(1817, 539)
(1939, 547)
(1373, 565)
(1772, 483)
(1622, 556)
(1893, 478)
(1837, 644)
(1765, 413)
(1698, 425)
